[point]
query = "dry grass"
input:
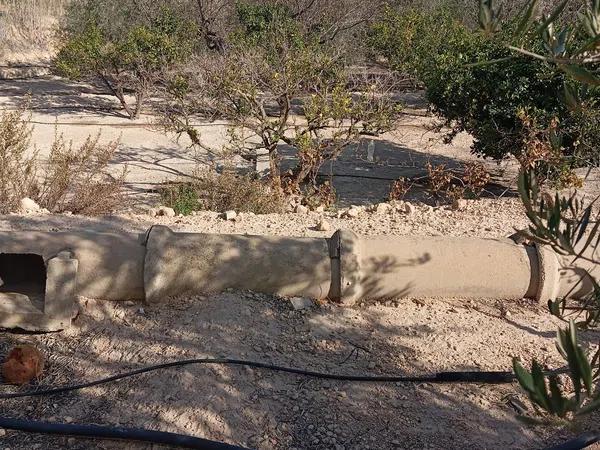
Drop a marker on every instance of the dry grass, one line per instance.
(74, 179)
(29, 25)
(211, 191)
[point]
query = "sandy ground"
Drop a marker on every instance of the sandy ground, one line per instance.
(267, 410)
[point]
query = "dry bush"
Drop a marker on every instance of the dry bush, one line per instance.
(17, 168)
(445, 184)
(29, 24)
(316, 195)
(73, 179)
(475, 177)
(399, 189)
(76, 179)
(222, 192)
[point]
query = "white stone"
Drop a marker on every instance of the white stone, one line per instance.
(323, 225)
(301, 209)
(165, 211)
(229, 215)
(28, 205)
(353, 212)
(320, 209)
(300, 303)
(383, 208)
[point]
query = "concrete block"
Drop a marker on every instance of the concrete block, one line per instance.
(23, 310)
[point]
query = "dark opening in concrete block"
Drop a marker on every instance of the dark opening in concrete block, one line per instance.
(23, 278)
(37, 295)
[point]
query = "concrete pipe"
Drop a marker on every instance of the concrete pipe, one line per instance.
(343, 268)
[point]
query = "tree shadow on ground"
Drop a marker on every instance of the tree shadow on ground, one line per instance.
(59, 97)
(358, 180)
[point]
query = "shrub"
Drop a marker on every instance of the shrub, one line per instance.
(487, 100)
(223, 192)
(73, 178)
(135, 61)
(17, 168)
(182, 197)
(77, 179)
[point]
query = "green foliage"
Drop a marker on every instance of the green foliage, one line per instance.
(223, 192)
(546, 391)
(271, 28)
(487, 100)
(182, 197)
(134, 61)
(409, 39)
(257, 20)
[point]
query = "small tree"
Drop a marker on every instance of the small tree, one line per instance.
(135, 62)
(279, 84)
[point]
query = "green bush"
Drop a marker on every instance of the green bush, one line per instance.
(135, 60)
(223, 192)
(486, 100)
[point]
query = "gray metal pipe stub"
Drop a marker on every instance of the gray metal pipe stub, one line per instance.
(53, 268)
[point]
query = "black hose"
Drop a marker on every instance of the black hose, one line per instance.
(582, 441)
(440, 377)
(130, 434)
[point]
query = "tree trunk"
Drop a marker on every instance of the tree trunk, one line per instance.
(274, 168)
(118, 92)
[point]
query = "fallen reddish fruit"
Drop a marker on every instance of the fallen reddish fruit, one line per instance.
(23, 364)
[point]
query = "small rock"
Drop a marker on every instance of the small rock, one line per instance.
(229, 215)
(153, 212)
(301, 209)
(165, 211)
(28, 206)
(323, 225)
(409, 208)
(300, 303)
(2, 432)
(459, 204)
(320, 209)
(353, 212)
(383, 208)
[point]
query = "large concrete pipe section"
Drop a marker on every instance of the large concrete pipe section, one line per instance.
(177, 263)
(343, 268)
